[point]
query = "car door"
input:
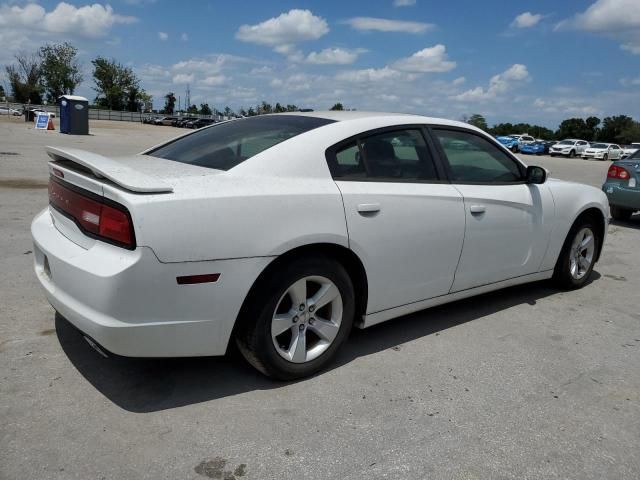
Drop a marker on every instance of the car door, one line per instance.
(615, 152)
(508, 221)
(405, 222)
(581, 146)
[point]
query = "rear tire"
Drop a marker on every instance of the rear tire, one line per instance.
(283, 333)
(621, 214)
(572, 154)
(578, 255)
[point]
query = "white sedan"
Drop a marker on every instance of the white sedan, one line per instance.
(281, 232)
(603, 151)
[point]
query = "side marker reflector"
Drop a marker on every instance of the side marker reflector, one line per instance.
(191, 279)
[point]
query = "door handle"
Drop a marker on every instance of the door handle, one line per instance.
(368, 207)
(477, 209)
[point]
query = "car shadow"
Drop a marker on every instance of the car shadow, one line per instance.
(633, 222)
(148, 385)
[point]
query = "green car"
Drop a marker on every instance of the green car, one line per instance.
(622, 186)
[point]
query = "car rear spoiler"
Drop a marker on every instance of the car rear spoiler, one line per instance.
(117, 172)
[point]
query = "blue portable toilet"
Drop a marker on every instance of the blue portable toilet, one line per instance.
(74, 115)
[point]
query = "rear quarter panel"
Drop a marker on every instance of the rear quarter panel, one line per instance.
(571, 199)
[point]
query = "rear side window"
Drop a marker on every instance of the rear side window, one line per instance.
(398, 155)
(228, 144)
(473, 159)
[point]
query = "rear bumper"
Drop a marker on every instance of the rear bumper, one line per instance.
(131, 303)
(619, 196)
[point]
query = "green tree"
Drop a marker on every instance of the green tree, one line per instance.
(243, 112)
(337, 106)
(573, 128)
(612, 128)
(228, 112)
(192, 109)
(117, 86)
(279, 108)
(592, 125)
(291, 108)
(630, 134)
(251, 112)
(60, 70)
(478, 120)
(169, 103)
(2, 93)
(205, 109)
(25, 78)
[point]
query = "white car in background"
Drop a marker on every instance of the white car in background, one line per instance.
(9, 111)
(282, 232)
(629, 150)
(569, 148)
(603, 151)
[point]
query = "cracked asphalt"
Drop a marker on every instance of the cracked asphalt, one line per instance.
(527, 382)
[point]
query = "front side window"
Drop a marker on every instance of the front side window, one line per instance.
(398, 155)
(228, 144)
(473, 159)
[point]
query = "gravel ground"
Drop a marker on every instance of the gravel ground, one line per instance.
(527, 382)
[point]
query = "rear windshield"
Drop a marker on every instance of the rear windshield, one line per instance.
(230, 143)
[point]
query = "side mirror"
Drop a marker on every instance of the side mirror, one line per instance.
(536, 175)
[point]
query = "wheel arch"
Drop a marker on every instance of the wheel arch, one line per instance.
(347, 257)
(601, 221)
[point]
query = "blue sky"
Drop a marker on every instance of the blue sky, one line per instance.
(539, 61)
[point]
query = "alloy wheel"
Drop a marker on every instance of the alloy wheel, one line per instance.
(582, 253)
(307, 319)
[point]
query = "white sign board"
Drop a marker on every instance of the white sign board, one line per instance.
(42, 121)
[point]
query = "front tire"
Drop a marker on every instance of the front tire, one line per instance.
(621, 214)
(297, 318)
(578, 255)
(605, 157)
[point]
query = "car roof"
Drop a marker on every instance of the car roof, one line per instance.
(348, 115)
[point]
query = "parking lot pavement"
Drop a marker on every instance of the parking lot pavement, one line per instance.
(527, 382)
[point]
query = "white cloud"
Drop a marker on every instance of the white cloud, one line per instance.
(631, 47)
(619, 19)
(264, 70)
(90, 21)
(183, 78)
(285, 31)
(387, 25)
(334, 56)
(404, 3)
(163, 36)
(213, 81)
(368, 75)
(427, 60)
(629, 82)
(526, 20)
(498, 85)
(459, 81)
(184, 37)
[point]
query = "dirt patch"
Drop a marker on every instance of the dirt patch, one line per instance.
(23, 183)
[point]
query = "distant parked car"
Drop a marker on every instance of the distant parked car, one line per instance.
(548, 144)
(508, 141)
(622, 187)
(182, 121)
(164, 120)
(9, 111)
(569, 148)
(603, 151)
(535, 148)
(628, 150)
(200, 122)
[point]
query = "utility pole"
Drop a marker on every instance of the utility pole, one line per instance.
(187, 99)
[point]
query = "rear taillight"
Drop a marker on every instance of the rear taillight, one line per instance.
(618, 172)
(94, 215)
